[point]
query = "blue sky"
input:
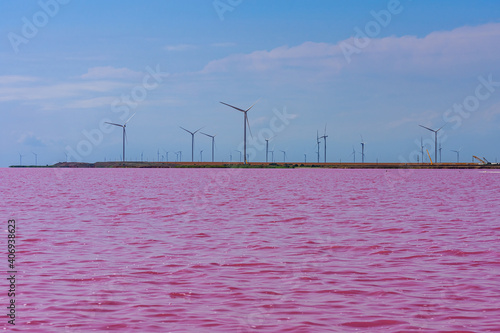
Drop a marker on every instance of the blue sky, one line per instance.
(426, 62)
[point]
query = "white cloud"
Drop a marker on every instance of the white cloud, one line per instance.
(109, 72)
(30, 139)
(460, 50)
(56, 91)
(91, 103)
(307, 56)
(14, 79)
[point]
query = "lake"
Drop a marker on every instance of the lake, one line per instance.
(245, 250)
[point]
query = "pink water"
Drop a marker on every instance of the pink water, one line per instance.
(188, 250)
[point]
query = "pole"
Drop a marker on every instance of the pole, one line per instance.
(325, 148)
(244, 138)
(213, 146)
(436, 146)
(267, 149)
(192, 147)
(123, 143)
(422, 148)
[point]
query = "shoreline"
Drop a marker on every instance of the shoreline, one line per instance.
(262, 165)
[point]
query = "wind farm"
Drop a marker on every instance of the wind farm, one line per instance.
(250, 153)
(162, 160)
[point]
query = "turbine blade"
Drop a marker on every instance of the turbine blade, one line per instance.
(132, 116)
(186, 130)
(114, 124)
(441, 128)
(427, 128)
(198, 130)
(234, 107)
(252, 105)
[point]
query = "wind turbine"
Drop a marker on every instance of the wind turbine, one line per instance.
(179, 155)
(245, 122)
(124, 133)
(324, 137)
(305, 158)
(436, 140)
(239, 151)
(213, 143)
(201, 155)
(272, 155)
(354, 154)
(422, 148)
(362, 150)
(166, 153)
(158, 154)
(20, 159)
(192, 141)
(440, 152)
(458, 154)
(36, 158)
(317, 142)
(284, 155)
(267, 148)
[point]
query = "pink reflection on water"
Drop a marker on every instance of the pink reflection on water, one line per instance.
(238, 250)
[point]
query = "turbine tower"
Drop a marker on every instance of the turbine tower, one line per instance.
(354, 154)
(317, 142)
(324, 137)
(20, 159)
(245, 122)
(362, 150)
(435, 140)
(192, 141)
(124, 133)
(267, 148)
(422, 148)
(213, 143)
